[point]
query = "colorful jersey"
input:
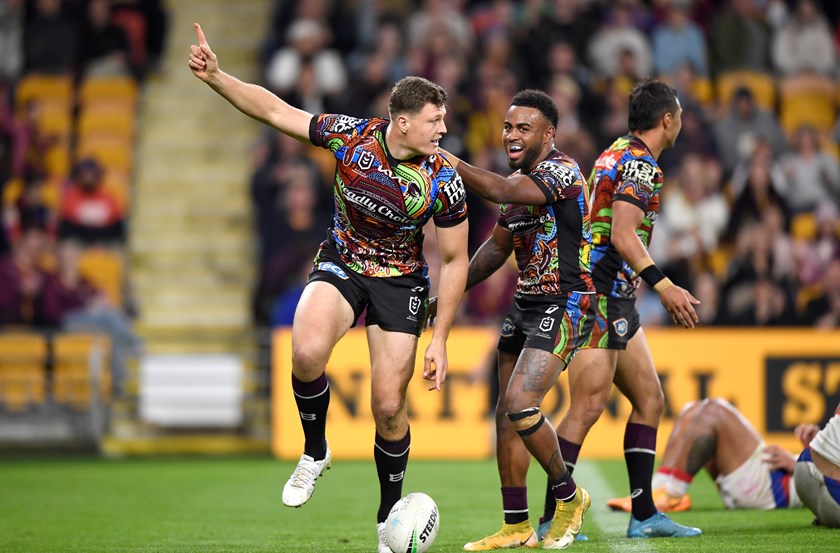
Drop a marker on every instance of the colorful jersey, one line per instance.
(552, 241)
(626, 171)
(381, 203)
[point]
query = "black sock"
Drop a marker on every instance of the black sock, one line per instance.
(640, 455)
(515, 504)
(570, 452)
(313, 399)
(391, 460)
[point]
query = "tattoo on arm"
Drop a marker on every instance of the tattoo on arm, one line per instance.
(485, 262)
(701, 452)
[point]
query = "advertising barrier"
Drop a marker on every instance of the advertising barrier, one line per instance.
(776, 378)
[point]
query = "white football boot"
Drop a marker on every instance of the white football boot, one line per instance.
(301, 483)
(383, 546)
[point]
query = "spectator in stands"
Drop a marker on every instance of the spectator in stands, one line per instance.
(812, 254)
(740, 39)
(11, 40)
(739, 130)
(824, 310)
(568, 20)
(50, 40)
(306, 70)
(694, 214)
(84, 308)
(571, 137)
(28, 293)
(758, 194)
(291, 226)
(618, 37)
(29, 141)
(679, 41)
(757, 291)
(30, 201)
(813, 176)
(89, 212)
(440, 18)
(805, 43)
(103, 48)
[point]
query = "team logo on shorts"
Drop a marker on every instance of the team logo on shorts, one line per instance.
(414, 304)
(547, 324)
(332, 268)
(507, 329)
(620, 327)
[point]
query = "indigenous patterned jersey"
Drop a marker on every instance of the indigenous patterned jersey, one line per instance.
(381, 203)
(626, 171)
(552, 241)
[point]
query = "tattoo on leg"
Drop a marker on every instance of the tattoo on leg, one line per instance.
(701, 451)
(556, 466)
(535, 369)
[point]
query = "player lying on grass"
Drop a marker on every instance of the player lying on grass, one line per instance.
(750, 474)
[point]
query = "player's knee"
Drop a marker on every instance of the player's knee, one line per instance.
(712, 410)
(387, 410)
(308, 358)
(527, 421)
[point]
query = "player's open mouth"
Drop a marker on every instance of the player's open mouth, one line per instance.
(514, 151)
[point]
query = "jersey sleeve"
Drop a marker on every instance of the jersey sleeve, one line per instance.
(451, 204)
(332, 131)
(637, 182)
(558, 180)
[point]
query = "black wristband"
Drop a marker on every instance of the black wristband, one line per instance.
(652, 275)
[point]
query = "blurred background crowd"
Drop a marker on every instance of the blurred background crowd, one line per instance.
(749, 218)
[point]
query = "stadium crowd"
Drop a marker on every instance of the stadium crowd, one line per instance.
(70, 72)
(749, 218)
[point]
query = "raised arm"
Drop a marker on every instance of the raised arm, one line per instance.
(496, 188)
(252, 100)
(677, 301)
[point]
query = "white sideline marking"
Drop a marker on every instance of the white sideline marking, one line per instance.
(612, 525)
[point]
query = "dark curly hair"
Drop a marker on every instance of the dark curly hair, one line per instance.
(538, 100)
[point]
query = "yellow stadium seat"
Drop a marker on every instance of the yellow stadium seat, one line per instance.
(104, 269)
(75, 356)
(95, 90)
(762, 86)
(57, 159)
(113, 123)
(55, 119)
(23, 357)
(807, 100)
(44, 88)
(702, 90)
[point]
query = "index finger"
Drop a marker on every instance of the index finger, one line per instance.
(201, 40)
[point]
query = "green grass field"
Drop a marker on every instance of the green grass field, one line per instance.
(233, 505)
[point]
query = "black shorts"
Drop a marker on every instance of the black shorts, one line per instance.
(616, 322)
(556, 324)
(397, 304)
